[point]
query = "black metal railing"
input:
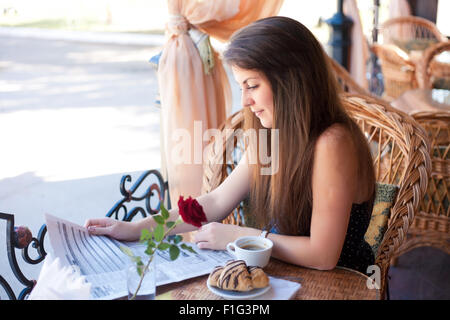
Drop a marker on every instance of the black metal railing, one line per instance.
(160, 189)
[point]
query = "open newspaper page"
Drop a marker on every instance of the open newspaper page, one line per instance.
(101, 261)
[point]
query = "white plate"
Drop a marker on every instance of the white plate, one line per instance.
(237, 295)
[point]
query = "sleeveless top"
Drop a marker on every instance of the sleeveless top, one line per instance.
(356, 253)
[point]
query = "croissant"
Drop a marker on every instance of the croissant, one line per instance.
(213, 279)
(235, 276)
(259, 277)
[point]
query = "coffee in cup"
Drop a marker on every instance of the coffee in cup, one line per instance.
(255, 251)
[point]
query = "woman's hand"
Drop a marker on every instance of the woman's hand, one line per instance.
(217, 235)
(120, 230)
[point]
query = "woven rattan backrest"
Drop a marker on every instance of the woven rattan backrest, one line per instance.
(389, 150)
(429, 68)
(400, 151)
(397, 68)
(408, 28)
(437, 126)
(222, 155)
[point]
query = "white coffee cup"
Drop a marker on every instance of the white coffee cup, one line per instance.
(255, 251)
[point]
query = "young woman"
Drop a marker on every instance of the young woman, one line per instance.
(317, 205)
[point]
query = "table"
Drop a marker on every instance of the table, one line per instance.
(337, 284)
(423, 100)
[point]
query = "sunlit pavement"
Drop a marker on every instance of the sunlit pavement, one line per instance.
(74, 117)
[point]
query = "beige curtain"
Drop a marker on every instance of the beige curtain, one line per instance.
(359, 51)
(399, 8)
(194, 89)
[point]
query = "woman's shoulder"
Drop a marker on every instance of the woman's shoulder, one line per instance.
(336, 137)
(335, 151)
(339, 150)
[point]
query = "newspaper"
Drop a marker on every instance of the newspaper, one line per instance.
(101, 261)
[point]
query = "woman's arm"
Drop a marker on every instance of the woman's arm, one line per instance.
(217, 205)
(334, 186)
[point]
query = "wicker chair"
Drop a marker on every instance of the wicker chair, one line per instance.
(402, 158)
(431, 226)
(398, 37)
(432, 73)
(397, 68)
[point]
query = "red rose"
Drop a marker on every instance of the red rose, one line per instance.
(191, 211)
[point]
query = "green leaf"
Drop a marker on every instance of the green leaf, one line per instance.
(151, 244)
(145, 235)
(188, 248)
(174, 252)
(159, 220)
(170, 224)
(139, 267)
(177, 239)
(149, 251)
(163, 246)
(159, 232)
(138, 261)
(127, 251)
(164, 213)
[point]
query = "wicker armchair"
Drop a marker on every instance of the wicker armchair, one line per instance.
(398, 38)
(432, 73)
(398, 70)
(431, 226)
(402, 158)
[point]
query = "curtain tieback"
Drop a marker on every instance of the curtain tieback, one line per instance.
(178, 24)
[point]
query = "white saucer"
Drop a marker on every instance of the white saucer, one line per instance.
(238, 295)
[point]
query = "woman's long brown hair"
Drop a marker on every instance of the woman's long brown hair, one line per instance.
(306, 103)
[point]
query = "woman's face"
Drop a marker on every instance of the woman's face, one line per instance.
(256, 93)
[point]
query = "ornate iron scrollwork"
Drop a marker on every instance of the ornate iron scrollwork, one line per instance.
(15, 239)
(156, 189)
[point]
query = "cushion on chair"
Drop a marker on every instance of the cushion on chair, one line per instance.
(384, 200)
